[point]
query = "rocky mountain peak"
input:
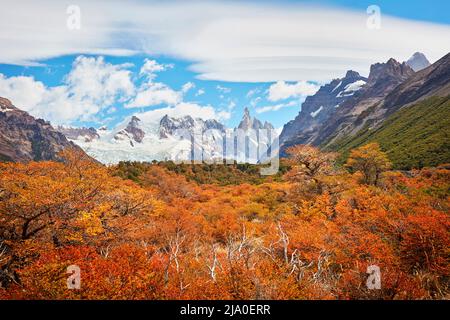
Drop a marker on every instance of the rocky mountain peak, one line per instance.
(418, 61)
(87, 134)
(267, 125)
(169, 125)
(24, 138)
(384, 77)
(352, 75)
(249, 122)
(134, 121)
(433, 80)
(132, 131)
(323, 104)
(390, 69)
(6, 105)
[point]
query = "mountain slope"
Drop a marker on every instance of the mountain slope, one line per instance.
(411, 123)
(407, 112)
(350, 114)
(24, 138)
(413, 137)
(356, 111)
(319, 107)
(431, 81)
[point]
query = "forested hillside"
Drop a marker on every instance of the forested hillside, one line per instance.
(414, 137)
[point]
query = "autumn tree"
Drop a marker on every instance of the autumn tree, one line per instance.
(310, 166)
(370, 161)
(153, 234)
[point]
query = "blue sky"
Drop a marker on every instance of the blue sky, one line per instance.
(264, 55)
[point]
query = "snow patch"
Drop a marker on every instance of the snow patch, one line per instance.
(351, 88)
(339, 84)
(6, 109)
(354, 86)
(315, 113)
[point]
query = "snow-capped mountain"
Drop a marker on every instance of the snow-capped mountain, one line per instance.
(142, 138)
(88, 134)
(169, 125)
(319, 107)
(132, 132)
(340, 107)
(418, 61)
(248, 122)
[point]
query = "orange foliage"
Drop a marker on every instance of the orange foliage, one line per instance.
(167, 238)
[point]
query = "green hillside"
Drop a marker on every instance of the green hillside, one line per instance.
(414, 137)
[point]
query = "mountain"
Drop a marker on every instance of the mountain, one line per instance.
(407, 112)
(132, 132)
(143, 138)
(413, 137)
(249, 122)
(418, 61)
(318, 108)
(412, 121)
(169, 125)
(351, 113)
(88, 134)
(24, 138)
(431, 81)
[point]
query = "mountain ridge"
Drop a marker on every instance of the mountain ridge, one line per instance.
(165, 139)
(24, 138)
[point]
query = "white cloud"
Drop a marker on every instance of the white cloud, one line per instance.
(111, 110)
(13, 88)
(282, 90)
(101, 82)
(151, 67)
(277, 107)
(231, 105)
(153, 94)
(223, 89)
(200, 92)
(187, 86)
(255, 101)
(223, 115)
(91, 86)
(156, 93)
(228, 40)
(252, 92)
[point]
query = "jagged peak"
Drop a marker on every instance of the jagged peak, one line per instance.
(249, 122)
(391, 68)
(352, 74)
(418, 61)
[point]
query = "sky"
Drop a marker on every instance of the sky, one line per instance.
(85, 63)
